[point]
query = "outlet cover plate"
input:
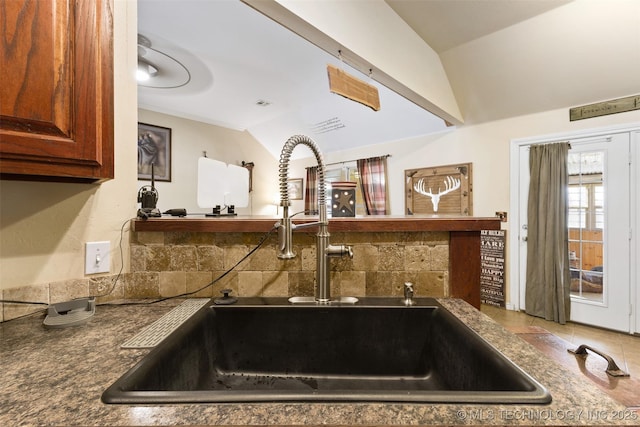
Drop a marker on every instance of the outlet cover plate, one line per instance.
(97, 258)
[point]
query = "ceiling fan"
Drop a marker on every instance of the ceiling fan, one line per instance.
(157, 69)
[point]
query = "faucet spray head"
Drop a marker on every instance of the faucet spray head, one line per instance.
(285, 236)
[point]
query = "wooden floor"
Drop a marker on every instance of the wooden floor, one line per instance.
(554, 339)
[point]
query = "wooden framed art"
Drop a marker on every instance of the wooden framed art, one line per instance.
(154, 148)
(439, 190)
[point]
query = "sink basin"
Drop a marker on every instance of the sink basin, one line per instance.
(374, 350)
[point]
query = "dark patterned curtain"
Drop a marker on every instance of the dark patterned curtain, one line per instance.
(373, 179)
(311, 191)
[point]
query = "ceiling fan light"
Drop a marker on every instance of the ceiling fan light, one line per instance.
(142, 75)
(145, 70)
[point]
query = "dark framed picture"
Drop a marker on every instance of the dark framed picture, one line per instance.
(296, 190)
(154, 152)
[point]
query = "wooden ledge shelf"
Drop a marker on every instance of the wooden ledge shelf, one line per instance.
(386, 223)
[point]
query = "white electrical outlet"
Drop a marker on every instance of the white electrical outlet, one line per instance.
(97, 258)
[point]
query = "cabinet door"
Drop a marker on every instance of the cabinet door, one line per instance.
(56, 90)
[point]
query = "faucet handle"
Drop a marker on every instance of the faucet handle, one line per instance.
(340, 250)
(349, 251)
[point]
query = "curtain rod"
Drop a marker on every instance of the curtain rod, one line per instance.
(355, 160)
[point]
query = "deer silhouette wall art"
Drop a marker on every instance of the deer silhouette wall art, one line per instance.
(450, 184)
(442, 190)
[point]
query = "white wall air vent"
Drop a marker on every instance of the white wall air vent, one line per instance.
(329, 125)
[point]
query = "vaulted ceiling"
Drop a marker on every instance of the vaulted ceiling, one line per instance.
(503, 58)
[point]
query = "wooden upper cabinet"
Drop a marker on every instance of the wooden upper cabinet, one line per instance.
(56, 90)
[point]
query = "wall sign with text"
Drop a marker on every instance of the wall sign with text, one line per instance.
(492, 251)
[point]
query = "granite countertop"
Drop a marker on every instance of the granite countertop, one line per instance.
(56, 377)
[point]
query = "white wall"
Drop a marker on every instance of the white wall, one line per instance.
(189, 139)
(44, 226)
(485, 145)
(592, 48)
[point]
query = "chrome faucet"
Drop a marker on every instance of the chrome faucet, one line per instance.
(324, 250)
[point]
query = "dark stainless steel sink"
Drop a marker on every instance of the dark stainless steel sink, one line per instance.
(375, 350)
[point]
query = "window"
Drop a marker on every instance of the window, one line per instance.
(586, 224)
(586, 205)
(586, 191)
(347, 171)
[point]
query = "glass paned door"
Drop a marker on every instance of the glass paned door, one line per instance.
(604, 208)
(599, 223)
